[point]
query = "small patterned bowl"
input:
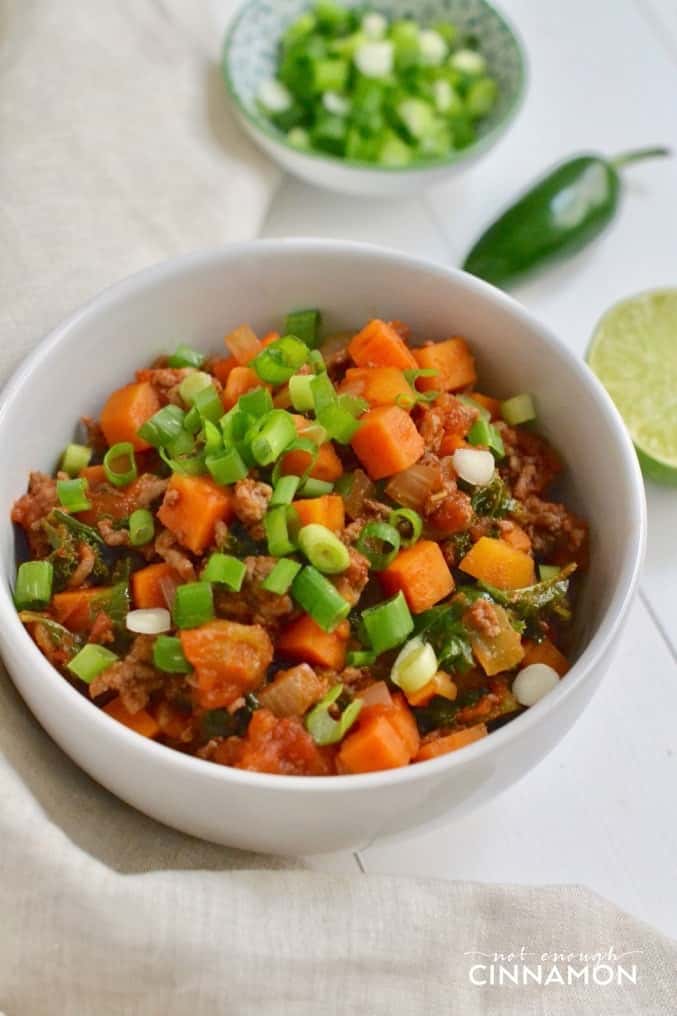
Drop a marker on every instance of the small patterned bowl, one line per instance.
(250, 57)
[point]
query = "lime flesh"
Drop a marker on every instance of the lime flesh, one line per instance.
(634, 354)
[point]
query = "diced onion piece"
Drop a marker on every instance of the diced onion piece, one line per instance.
(168, 587)
(533, 683)
(415, 666)
(468, 61)
(374, 26)
(151, 621)
(433, 47)
(275, 96)
(376, 695)
(412, 487)
(476, 467)
(336, 104)
(375, 59)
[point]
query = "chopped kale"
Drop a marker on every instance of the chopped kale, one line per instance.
(532, 601)
(493, 500)
(439, 712)
(65, 536)
(444, 629)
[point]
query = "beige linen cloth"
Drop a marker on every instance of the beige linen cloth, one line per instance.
(117, 150)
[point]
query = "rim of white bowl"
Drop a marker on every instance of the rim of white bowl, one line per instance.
(261, 126)
(84, 711)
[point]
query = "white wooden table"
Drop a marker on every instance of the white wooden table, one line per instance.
(601, 809)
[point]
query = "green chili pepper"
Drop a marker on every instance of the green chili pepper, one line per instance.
(566, 210)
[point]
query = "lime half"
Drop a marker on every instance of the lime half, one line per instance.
(634, 354)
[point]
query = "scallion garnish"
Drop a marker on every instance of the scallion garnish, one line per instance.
(518, 410)
(388, 624)
(301, 393)
(275, 432)
(72, 494)
(33, 588)
(169, 657)
(75, 458)
(91, 661)
(339, 423)
(164, 427)
(285, 490)
(208, 404)
(277, 362)
(319, 598)
(256, 403)
(304, 324)
(415, 666)
(185, 356)
(316, 488)
(225, 570)
(141, 527)
(119, 464)
(281, 577)
(275, 524)
(483, 433)
(194, 605)
(323, 727)
(192, 384)
(360, 658)
(226, 467)
(324, 393)
(323, 549)
(408, 524)
(213, 438)
(379, 542)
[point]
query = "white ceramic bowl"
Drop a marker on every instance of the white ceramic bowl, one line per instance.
(198, 299)
(250, 58)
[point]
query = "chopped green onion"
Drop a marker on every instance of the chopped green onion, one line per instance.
(91, 661)
(548, 572)
(72, 495)
(408, 524)
(164, 427)
(192, 421)
(33, 588)
(194, 383)
(388, 624)
(277, 362)
(415, 666)
(281, 577)
(141, 527)
(185, 356)
(224, 570)
(324, 393)
(274, 434)
(361, 658)
(275, 524)
(120, 477)
(519, 409)
(316, 433)
(316, 488)
(208, 404)
(75, 458)
(256, 403)
(322, 726)
(319, 598)
(353, 404)
(226, 467)
(316, 361)
(284, 491)
(183, 444)
(213, 438)
(323, 549)
(185, 465)
(301, 444)
(483, 433)
(380, 544)
(301, 393)
(194, 605)
(169, 657)
(304, 324)
(339, 423)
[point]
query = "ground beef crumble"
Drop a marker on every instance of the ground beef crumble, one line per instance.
(133, 678)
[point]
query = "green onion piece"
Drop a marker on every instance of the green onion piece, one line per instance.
(408, 524)
(213, 438)
(225, 570)
(91, 661)
(33, 588)
(353, 404)
(519, 409)
(301, 393)
(169, 657)
(415, 666)
(275, 524)
(194, 605)
(483, 433)
(192, 421)
(340, 425)
(75, 458)
(316, 361)
(304, 324)
(277, 362)
(162, 428)
(468, 401)
(126, 472)
(141, 527)
(380, 544)
(226, 467)
(185, 465)
(208, 404)
(316, 433)
(72, 494)
(301, 444)
(281, 577)
(324, 393)
(274, 434)
(284, 491)
(548, 572)
(316, 488)
(319, 598)
(322, 726)
(194, 383)
(388, 624)
(256, 403)
(360, 658)
(185, 356)
(323, 549)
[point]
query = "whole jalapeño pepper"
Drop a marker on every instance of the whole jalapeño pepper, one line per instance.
(565, 210)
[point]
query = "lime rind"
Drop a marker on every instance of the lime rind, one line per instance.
(634, 354)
